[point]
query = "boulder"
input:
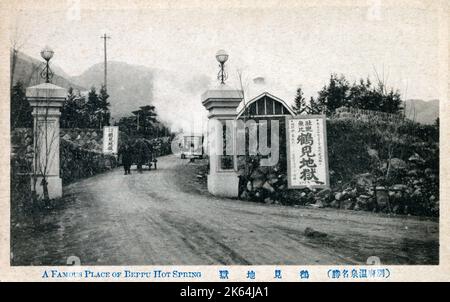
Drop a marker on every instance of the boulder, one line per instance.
(257, 183)
(417, 193)
(264, 170)
(364, 180)
(334, 204)
(412, 172)
(373, 153)
(268, 200)
(339, 196)
(397, 164)
(382, 197)
(257, 175)
(318, 204)
(351, 193)
(347, 204)
(310, 232)
(416, 158)
(325, 193)
(268, 187)
(399, 187)
(272, 179)
(244, 195)
(398, 195)
(428, 172)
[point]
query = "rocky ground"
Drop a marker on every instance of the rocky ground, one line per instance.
(168, 217)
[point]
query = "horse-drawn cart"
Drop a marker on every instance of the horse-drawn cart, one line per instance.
(144, 154)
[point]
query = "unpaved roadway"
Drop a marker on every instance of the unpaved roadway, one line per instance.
(166, 217)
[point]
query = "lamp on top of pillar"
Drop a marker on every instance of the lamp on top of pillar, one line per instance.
(47, 73)
(46, 99)
(222, 57)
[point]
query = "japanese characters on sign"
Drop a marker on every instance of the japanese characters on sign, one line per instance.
(110, 139)
(307, 152)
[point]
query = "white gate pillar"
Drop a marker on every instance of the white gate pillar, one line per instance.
(221, 102)
(46, 100)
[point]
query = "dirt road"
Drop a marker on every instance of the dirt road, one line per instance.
(167, 217)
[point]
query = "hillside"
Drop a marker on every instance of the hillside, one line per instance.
(27, 70)
(422, 111)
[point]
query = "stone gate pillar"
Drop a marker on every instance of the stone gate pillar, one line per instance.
(221, 102)
(46, 100)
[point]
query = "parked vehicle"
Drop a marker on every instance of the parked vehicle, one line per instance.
(192, 146)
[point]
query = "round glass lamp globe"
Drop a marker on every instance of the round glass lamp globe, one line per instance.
(221, 56)
(47, 53)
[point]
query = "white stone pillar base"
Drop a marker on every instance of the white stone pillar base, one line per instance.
(54, 187)
(224, 184)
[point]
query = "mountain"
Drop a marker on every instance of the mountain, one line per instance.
(175, 96)
(27, 70)
(422, 111)
(129, 86)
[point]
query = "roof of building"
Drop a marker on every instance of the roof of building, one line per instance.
(241, 108)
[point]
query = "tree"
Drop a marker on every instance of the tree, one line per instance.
(333, 95)
(143, 124)
(103, 108)
(314, 107)
(70, 113)
(299, 102)
(92, 108)
(20, 107)
(360, 95)
(146, 122)
(104, 113)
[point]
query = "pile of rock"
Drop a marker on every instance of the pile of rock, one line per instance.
(260, 183)
(415, 192)
(410, 191)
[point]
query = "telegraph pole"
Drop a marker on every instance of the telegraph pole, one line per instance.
(104, 37)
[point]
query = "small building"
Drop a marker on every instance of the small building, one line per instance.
(238, 127)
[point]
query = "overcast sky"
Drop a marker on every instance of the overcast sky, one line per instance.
(300, 45)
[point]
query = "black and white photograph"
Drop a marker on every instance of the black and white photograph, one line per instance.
(241, 133)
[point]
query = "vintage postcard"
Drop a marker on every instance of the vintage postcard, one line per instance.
(224, 141)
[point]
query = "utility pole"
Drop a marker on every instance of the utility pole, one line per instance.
(104, 37)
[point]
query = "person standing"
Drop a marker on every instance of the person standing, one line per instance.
(126, 159)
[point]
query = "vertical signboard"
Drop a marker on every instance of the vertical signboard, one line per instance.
(307, 153)
(110, 139)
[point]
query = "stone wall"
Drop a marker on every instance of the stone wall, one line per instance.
(78, 163)
(88, 139)
(367, 115)
(80, 153)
